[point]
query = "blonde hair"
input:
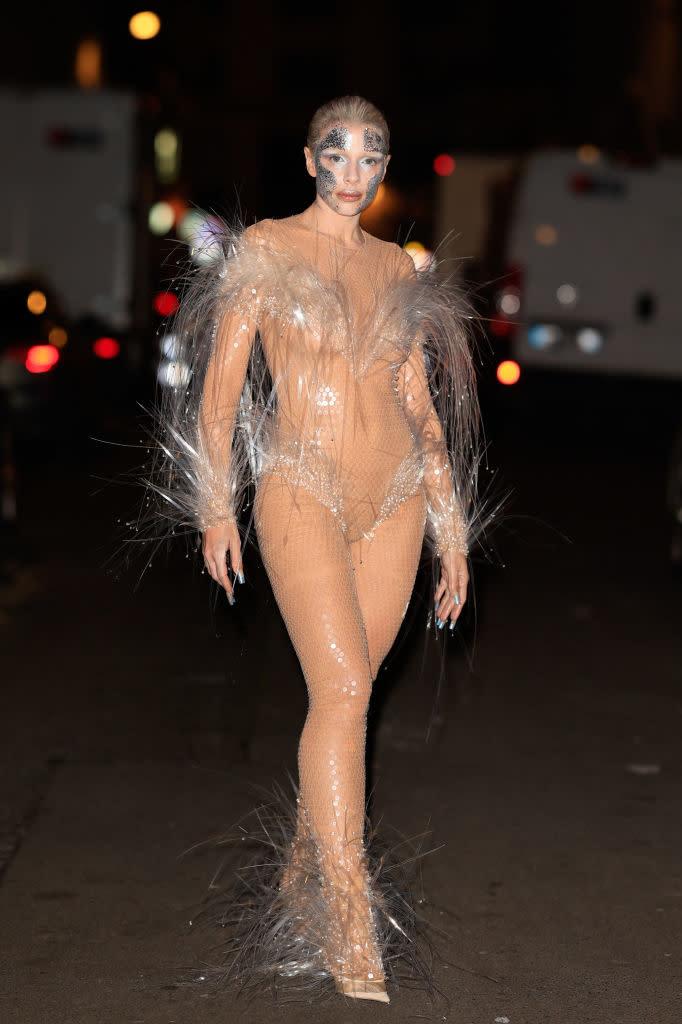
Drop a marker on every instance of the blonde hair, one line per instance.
(346, 110)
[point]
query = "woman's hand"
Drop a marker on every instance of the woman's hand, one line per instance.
(217, 541)
(451, 592)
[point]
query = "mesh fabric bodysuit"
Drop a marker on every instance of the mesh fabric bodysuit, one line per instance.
(316, 389)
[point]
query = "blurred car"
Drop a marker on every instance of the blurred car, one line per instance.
(33, 373)
(58, 379)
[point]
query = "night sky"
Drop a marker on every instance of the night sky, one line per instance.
(241, 81)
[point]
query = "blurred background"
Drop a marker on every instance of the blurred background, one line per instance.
(537, 149)
(537, 154)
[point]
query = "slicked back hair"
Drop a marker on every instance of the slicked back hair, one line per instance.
(346, 110)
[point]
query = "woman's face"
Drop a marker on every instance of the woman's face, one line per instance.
(348, 164)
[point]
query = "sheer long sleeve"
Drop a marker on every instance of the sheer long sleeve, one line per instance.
(436, 385)
(221, 452)
(203, 459)
(446, 521)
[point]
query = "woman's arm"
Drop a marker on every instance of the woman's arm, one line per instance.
(446, 521)
(221, 396)
(447, 524)
(427, 299)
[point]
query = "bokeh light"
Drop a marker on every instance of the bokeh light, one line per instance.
(167, 155)
(546, 234)
(36, 302)
(58, 337)
(161, 218)
(166, 142)
(510, 302)
(589, 340)
(106, 348)
(421, 256)
(501, 327)
(189, 224)
(588, 154)
(203, 234)
(567, 294)
(173, 374)
(41, 358)
(165, 303)
(508, 372)
(88, 64)
(444, 164)
(544, 335)
(144, 25)
(170, 345)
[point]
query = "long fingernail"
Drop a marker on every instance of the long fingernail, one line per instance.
(440, 624)
(456, 598)
(230, 598)
(451, 626)
(240, 577)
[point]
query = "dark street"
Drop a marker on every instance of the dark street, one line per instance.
(305, 237)
(137, 721)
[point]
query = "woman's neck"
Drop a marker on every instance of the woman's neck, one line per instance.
(346, 230)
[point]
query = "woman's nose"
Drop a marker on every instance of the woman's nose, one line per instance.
(352, 172)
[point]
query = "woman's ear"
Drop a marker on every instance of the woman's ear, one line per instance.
(310, 162)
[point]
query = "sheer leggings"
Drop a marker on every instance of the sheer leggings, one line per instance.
(342, 604)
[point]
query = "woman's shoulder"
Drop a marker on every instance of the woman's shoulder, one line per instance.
(259, 233)
(270, 235)
(393, 256)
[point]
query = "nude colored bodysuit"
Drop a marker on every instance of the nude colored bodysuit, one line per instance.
(316, 388)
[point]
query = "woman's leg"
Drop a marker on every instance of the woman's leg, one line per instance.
(306, 556)
(385, 569)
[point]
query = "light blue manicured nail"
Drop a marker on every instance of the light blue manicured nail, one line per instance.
(451, 626)
(230, 598)
(456, 598)
(240, 577)
(440, 624)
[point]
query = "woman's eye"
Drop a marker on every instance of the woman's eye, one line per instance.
(370, 161)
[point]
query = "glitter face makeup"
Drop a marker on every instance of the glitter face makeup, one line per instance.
(349, 167)
(373, 141)
(338, 138)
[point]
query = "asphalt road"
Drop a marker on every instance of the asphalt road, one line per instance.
(544, 759)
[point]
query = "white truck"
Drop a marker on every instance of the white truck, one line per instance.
(593, 275)
(66, 205)
(595, 263)
(595, 255)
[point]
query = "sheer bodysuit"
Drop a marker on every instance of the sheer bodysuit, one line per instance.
(350, 466)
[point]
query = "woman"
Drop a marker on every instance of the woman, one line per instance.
(317, 382)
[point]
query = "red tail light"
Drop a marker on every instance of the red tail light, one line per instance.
(165, 303)
(41, 358)
(106, 348)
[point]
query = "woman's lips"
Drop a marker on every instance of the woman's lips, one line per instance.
(349, 197)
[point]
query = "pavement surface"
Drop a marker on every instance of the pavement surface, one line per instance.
(541, 751)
